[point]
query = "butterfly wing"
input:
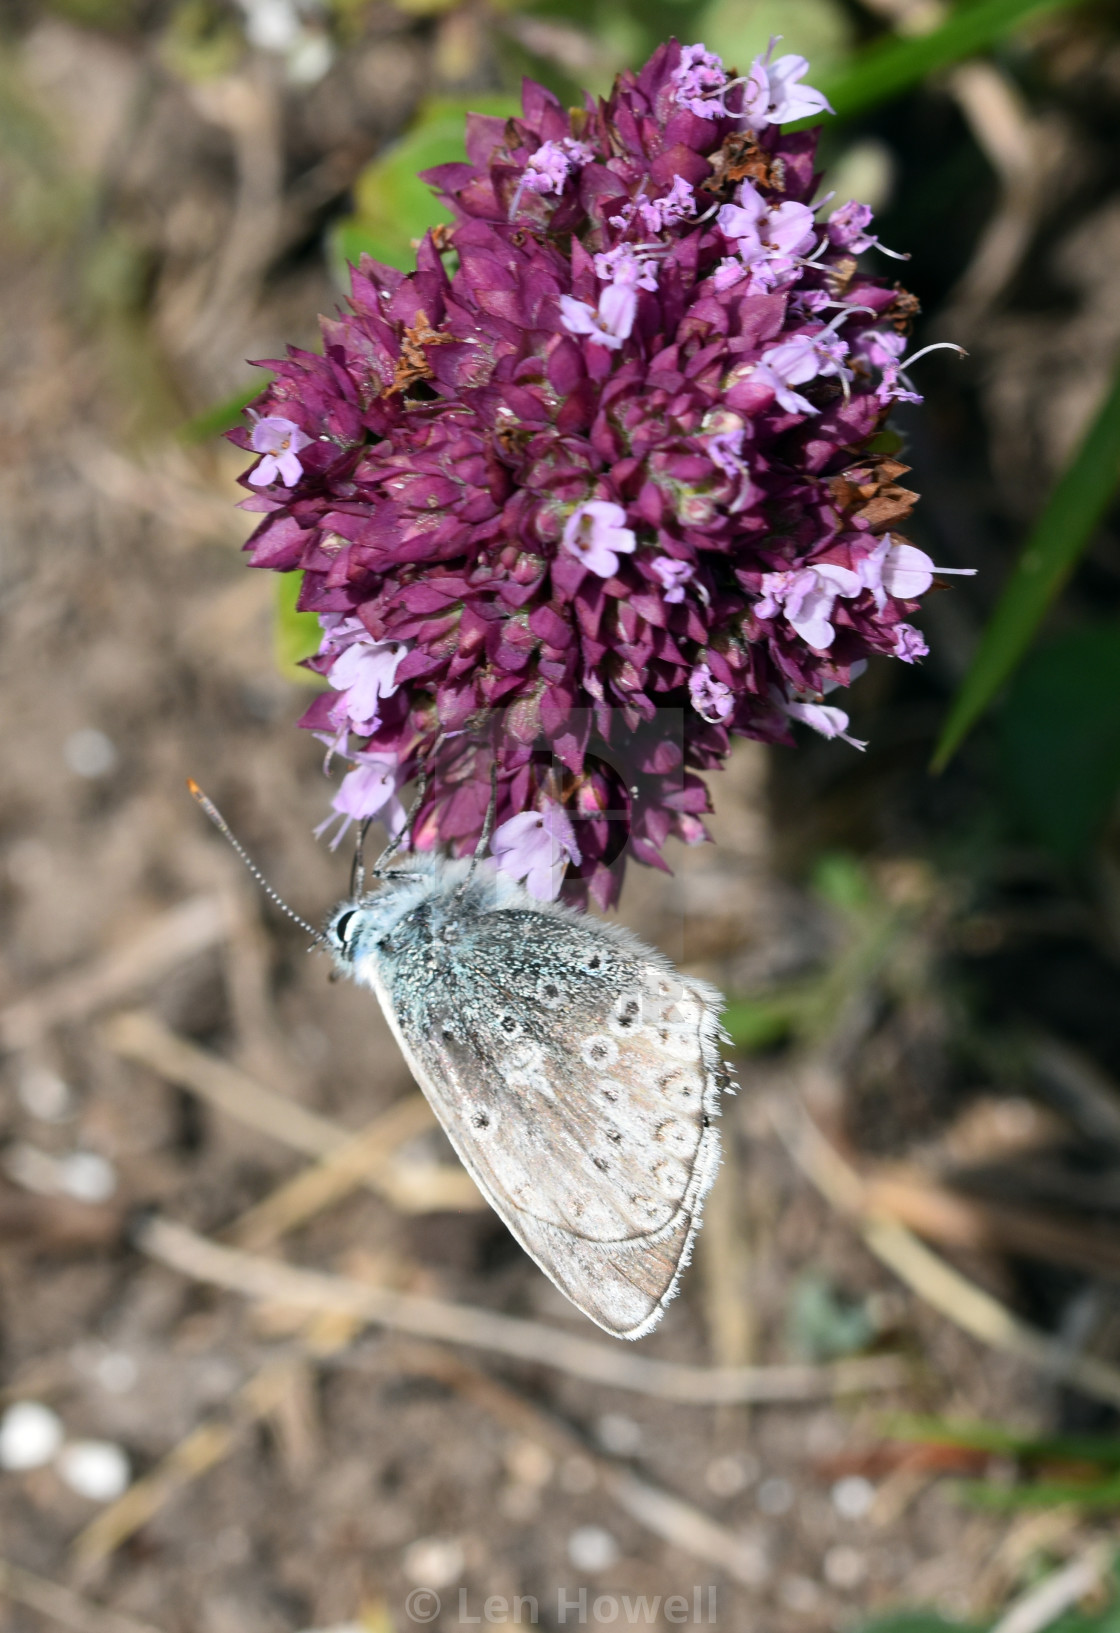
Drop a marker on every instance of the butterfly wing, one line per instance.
(577, 1075)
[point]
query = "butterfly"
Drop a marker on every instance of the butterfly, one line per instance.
(577, 1075)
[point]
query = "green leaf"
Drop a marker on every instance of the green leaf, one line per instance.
(915, 1621)
(1060, 733)
(222, 416)
(891, 66)
(1060, 536)
(1003, 1442)
(295, 635)
(740, 30)
(1103, 1495)
(394, 207)
(821, 1324)
(754, 1024)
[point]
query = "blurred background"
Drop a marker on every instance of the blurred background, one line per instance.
(911, 1256)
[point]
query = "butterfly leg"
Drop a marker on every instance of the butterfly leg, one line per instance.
(394, 845)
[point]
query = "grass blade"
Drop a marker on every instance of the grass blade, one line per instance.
(1060, 536)
(892, 66)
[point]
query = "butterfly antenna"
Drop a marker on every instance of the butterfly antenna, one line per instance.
(224, 828)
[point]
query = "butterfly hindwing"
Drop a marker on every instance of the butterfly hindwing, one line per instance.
(577, 1076)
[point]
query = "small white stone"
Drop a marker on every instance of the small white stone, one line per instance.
(844, 1567)
(30, 1435)
(433, 1562)
(775, 1496)
(529, 1463)
(43, 1094)
(96, 1469)
(728, 1475)
(591, 1548)
(89, 753)
(87, 1176)
(618, 1435)
(852, 1497)
(309, 58)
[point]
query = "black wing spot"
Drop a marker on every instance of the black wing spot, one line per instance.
(481, 1119)
(601, 1164)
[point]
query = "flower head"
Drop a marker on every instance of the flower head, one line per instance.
(602, 461)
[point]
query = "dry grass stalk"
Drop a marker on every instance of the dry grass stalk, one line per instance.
(267, 1279)
(62, 1604)
(168, 941)
(142, 1037)
(929, 1276)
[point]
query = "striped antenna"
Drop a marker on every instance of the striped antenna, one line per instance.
(223, 828)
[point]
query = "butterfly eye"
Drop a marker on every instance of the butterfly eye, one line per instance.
(342, 925)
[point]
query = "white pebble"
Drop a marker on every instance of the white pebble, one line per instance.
(96, 1469)
(529, 1463)
(87, 1176)
(852, 1497)
(89, 753)
(591, 1548)
(844, 1567)
(45, 1095)
(434, 1562)
(30, 1434)
(618, 1435)
(728, 1475)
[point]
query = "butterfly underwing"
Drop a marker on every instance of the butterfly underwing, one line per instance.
(575, 1072)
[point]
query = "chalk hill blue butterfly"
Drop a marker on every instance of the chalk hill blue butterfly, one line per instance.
(576, 1074)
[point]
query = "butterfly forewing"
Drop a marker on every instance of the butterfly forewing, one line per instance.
(577, 1082)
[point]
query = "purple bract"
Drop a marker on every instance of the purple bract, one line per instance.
(611, 466)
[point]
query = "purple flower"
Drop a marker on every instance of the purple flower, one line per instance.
(367, 791)
(537, 846)
(765, 239)
(674, 575)
(806, 596)
(625, 272)
(364, 671)
(798, 361)
(830, 722)
(909, 643)
(698, 79)
(678, 204)
(901, 570)
(596, 534)
(711, 698)
(773, 94)
(280, 441)
(847, 227)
